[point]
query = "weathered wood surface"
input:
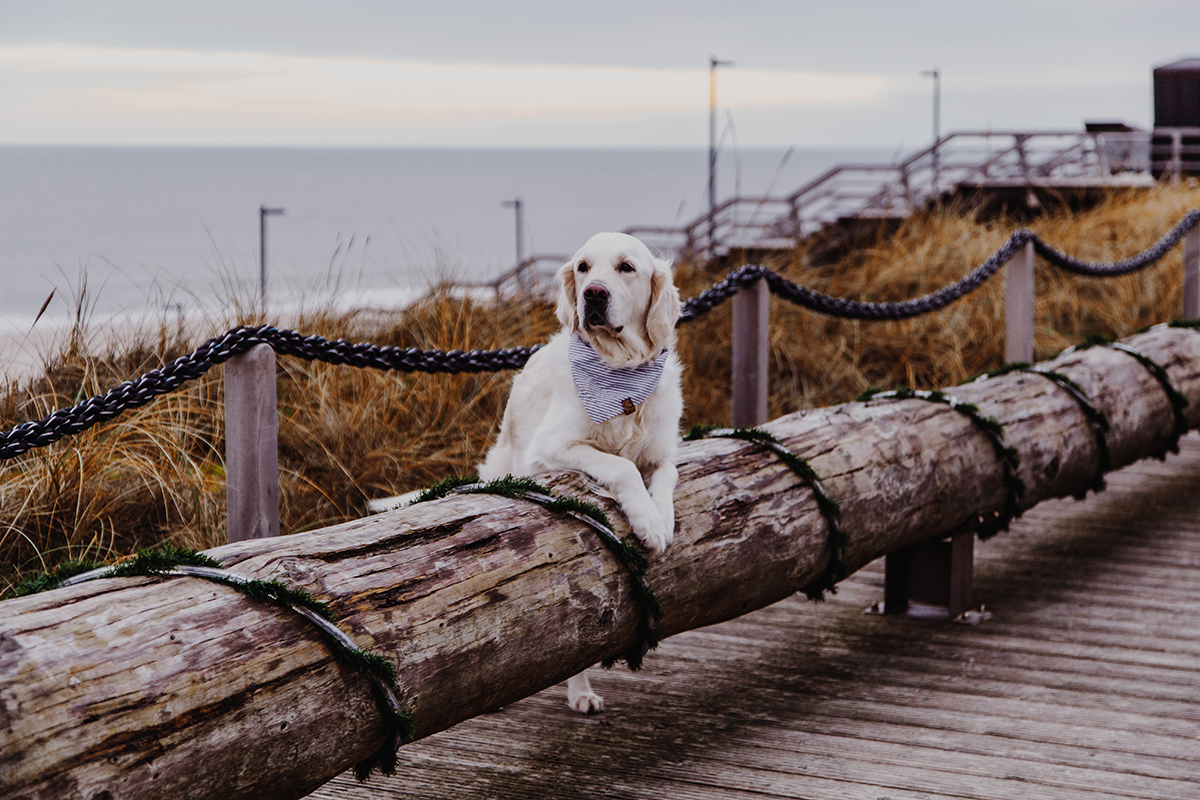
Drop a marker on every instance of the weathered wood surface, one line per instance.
(1018, 306)
(251, 445)
(1082, 686)
(141, 688)
(751, 355)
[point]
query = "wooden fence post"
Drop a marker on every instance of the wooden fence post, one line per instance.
(751, 347)
(251, 445)
(930, 580)
(1191, 273)
(1018, 306)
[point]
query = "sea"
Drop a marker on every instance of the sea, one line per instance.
(143, 233)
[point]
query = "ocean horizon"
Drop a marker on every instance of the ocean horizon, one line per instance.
(143, 232)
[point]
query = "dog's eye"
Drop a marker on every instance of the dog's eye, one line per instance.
(624, 266)
(583, 266)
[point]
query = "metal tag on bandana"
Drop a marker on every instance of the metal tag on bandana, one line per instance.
(608, 392)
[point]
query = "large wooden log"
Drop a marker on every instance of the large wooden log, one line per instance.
(143, 688)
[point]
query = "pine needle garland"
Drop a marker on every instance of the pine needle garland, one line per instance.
(835, 570)
(169, 560)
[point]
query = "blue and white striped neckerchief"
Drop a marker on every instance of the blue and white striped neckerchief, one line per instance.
(607, 391)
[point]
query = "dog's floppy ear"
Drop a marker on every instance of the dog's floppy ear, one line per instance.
(663, 311)
(566, 309)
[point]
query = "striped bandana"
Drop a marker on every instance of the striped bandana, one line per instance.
(607, 391)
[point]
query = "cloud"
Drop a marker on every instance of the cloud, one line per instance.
(258, 86)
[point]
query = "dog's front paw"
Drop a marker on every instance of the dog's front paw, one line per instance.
(666, 535)
(654, 531)
(586, 703)
(581, 698)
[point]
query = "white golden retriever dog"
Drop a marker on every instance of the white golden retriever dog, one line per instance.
(603, 396)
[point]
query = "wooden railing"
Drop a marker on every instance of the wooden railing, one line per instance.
(961, 159)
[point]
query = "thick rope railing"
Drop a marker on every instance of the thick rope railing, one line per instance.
(140, 391)
(934, 301)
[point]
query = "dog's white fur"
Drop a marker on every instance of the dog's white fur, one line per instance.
(546, 428)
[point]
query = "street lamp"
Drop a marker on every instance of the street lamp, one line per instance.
(263, 213)
(516, 204)
(936, 74)
(713, 63)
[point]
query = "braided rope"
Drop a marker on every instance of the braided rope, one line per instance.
(851, 309)
(835, 570)
(934, 301)
(135, 393)
(1125, 266)
(140, 391)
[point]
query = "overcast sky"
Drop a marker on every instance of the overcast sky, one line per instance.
(537, 73)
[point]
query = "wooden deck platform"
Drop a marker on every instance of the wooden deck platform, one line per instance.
(1084, 684)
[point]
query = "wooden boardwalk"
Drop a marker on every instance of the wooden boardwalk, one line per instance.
(1084, 684)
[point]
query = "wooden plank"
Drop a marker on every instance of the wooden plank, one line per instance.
(833, 765)
(901, 691)
(961, 658)
(541, 774)
(1141, 686)
(746, 756)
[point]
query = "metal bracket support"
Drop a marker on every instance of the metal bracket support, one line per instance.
(930, 580)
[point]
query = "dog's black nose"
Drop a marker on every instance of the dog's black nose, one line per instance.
(595, 294)
(595, 306)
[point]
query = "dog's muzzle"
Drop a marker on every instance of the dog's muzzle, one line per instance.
(595, 306)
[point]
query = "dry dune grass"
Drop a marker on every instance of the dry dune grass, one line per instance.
(818, 360)
(157, 474)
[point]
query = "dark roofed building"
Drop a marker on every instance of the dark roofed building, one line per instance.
(1175, 148)
(1177, 94)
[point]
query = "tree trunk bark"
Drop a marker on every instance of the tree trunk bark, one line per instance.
(146, 688)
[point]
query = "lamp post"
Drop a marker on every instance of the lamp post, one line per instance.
(263, 213)
(936, 74)
(713, 63)
(516, 204)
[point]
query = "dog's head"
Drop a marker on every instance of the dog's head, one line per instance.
(620, 297)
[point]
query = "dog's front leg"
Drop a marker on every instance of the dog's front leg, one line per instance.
(621, 477)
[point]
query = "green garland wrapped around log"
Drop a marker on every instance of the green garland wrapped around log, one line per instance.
(151, 687)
